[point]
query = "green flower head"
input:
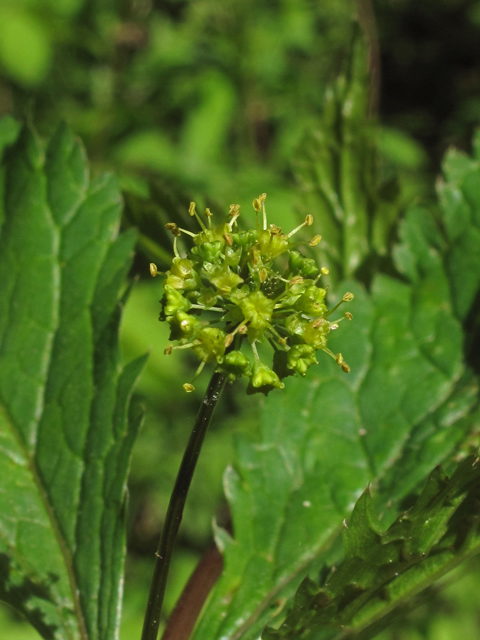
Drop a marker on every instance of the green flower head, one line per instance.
(236, 288)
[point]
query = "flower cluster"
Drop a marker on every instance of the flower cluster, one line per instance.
(234, 287)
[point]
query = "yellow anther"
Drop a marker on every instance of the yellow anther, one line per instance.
(228, 238)
(348, 297)
(339, 358)
(153, 270)
(315, 240)
(309, 220)
(348, 315)
(191, 209)
(228, 340)
(333, 326)
(345, 367)
(325, 271)
(168, 350)
(188, 387)
(257, 205)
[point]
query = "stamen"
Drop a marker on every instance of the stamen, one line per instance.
(189, 233)
(175, 250)
(241, 328)
(203, 308)
(183, 346)
(193, 212)
(153, 269)
(308, 223)
(255, 352)
(209, 215)
(257, 205)
(262, 199)
(234, 212)
(348, 297)
(281, 339)
(315, 240)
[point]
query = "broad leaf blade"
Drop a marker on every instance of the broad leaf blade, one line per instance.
(408, 403)
(382, 569)
(66, 436)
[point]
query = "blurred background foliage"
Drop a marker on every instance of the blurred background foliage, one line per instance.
(218, 101)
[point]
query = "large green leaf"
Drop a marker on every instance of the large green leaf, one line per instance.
(408, 403)
(383, 569)
(65, 429)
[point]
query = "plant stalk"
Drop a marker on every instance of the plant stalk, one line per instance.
(176, 505)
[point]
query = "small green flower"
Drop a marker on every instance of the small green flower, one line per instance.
(235, 288)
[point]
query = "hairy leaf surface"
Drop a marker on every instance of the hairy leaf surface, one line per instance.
(65, 432)
(408, 403)
(382, 569)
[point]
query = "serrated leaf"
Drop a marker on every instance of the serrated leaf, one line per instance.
(65, 429)
(384, 568)
(340, 181)
(408, 403)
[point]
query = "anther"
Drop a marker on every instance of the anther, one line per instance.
(348, 297)
(333, 326)
(168, 350)
(325, 271)
(315, 240)
(228, 239)
(171, 226)
(153, 270)
(193, 212)
(188, 387)
(345, 367)
(348, 315)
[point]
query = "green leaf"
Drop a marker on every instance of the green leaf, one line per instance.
(383, 569)
(66, 430)
(409, 402)
(355, 202)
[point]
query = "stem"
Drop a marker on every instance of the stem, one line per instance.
(176, 505)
